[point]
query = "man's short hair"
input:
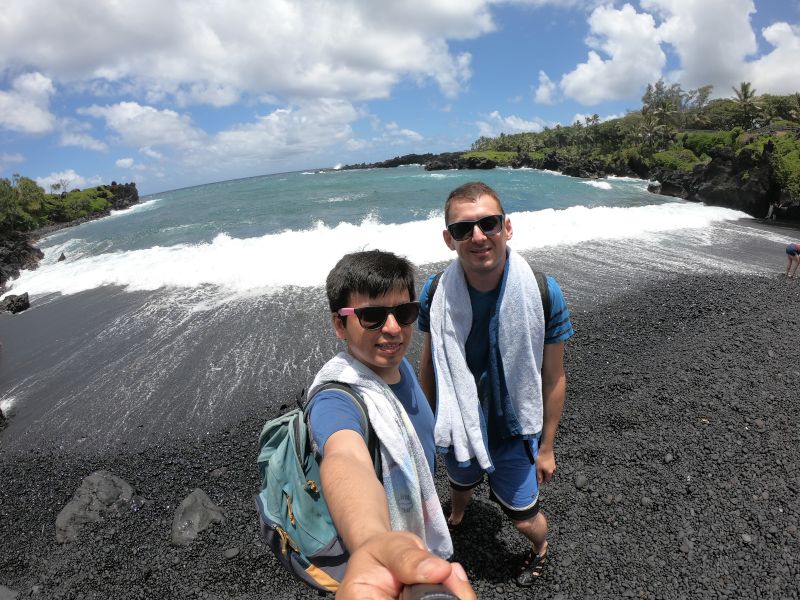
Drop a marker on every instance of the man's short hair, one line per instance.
(471, 191)
(372, 273)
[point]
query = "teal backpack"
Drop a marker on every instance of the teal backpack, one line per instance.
(295, 521)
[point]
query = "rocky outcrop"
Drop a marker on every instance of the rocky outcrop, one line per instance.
(123, 195)
(742, 181)
(16, 248)
(16, 254)
(15, 304)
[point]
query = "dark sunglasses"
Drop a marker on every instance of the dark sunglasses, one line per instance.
(461, 230)
(374, 317)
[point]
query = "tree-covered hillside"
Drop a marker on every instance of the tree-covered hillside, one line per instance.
(25, 206)
(674, 130)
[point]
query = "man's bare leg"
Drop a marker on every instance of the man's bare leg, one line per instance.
(535, 529)
(459, 500)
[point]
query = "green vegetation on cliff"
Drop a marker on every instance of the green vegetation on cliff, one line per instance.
(675, 129)
(25, 206)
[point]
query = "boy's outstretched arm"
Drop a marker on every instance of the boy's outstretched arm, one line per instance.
(381, 560)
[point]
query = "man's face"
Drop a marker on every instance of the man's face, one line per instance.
(381, 349)
(481, 256)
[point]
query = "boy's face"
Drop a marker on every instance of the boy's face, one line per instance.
(381, 349)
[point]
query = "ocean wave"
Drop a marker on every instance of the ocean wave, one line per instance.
(601, 185)
(140, 207)
(304, 257)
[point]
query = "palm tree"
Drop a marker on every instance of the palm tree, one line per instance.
(745, 98)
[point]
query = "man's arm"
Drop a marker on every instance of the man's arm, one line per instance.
(427, 376)
(382, 561)
(554, 391)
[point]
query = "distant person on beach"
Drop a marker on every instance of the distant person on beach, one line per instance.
(493, 368)
(771, 214)
(792, 256)
(395, 531)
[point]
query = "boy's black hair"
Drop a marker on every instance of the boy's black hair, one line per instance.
(372, 273)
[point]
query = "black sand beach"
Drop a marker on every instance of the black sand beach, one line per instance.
(677, 453)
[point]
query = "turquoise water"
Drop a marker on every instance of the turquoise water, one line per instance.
(260, 234)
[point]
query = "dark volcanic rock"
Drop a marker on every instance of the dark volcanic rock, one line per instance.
(3, 421)
(742, 181)
(15, 304)
(124, 194)
(98, 493)
(196, 513)
(474, 162)
(16, 254)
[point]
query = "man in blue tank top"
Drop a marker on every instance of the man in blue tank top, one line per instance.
(393, 527)
(493, 368)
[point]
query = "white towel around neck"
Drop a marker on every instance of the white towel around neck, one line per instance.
(521, 340)
(411, 495)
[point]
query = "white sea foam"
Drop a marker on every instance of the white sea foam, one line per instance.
(602, 185)
(304, 258)
(6, 404)
(141, 207)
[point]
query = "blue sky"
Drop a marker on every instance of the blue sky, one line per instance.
(172, 94)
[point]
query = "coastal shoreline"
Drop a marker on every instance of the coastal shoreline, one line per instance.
(675, 478)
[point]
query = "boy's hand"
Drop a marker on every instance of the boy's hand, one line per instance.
(386, 562)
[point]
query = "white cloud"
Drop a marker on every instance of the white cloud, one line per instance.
(546, 91)
(776, 72)
(495, 124)
(7, 159)
(124, 163)
(631, 43)
(139, 125)
(399, 135)
(25, 107)
(212, 53)
(712, 39)
(82, 140)
(150, 153)
(71, 177)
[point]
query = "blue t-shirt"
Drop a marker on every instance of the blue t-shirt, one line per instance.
(331, 411)
(559, 329)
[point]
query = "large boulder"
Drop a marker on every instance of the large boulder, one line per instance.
(15, 304)
(196, 513)
(99, 493)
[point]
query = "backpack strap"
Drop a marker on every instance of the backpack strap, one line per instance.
(541, 281)
(434, 285)
(370, 438)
